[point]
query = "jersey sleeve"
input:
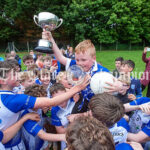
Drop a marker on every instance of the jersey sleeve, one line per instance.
(55, 120)
(140, 101)
(18, 102)
(31, 126)
(146, 129)
(1, 136)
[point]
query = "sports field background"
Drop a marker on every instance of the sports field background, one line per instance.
(106, 58)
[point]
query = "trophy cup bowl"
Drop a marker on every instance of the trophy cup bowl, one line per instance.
(75, 75)
(50, 22)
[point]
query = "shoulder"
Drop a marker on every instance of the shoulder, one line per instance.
(101, 68)
(17, 102)
(123, 146)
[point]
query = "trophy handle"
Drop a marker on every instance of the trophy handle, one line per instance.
(61, 21)
(36, 17)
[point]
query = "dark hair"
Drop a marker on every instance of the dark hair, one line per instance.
(119, 59)
(130, 63)
(87, 133)
(36, 90)
(106, 108)
(56, 87)
(27, 57)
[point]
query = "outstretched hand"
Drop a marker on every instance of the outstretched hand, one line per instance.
(145, 108)
(84, 83)
(32, 116)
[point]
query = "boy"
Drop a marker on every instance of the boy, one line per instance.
(135, 90)
(87, 133)
(59, 113)
(139, 122)
(12, 104)
(25, 79)
(28, 61)
(33, 132)
(109, 110)
(62, 78)
(85, 57)
(44, 76)
(118, 63)
(10, 132)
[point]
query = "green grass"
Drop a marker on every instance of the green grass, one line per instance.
(107, 58)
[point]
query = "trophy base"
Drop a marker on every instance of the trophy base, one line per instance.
(43, 49)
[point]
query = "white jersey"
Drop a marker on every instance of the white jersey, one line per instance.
(119, 134)
(11, 118)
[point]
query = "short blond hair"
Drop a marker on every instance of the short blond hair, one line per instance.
(43, 72)
(60, 75)
(86, 46)
(23, 76)
(46, 58)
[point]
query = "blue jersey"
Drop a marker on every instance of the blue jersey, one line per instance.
(30, 130)
(139, 119)
(1, 136)
(87, 93)
(59, 115)
(135, 88)
(123, 146)
(10, 107)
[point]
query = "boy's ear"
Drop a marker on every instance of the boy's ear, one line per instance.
(130, 69)
(94, 57)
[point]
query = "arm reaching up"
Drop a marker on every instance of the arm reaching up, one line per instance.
(58, 54)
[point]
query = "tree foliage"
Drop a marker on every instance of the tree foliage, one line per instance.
(102, 21)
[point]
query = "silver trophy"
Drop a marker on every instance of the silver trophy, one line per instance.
(50, 22)
(75, 75)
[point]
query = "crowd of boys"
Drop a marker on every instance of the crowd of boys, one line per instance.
(39, 106)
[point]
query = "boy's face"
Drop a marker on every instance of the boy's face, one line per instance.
(29, 62)
(125, 68)
(85, 60)
(45, 79)
(28, 82)
(65, 82)
(11, 79)
(64, 104)
(118, 64)
(47, 63)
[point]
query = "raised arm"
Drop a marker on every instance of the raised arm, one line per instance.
(48, 102)
(58, 54)
(144, 55)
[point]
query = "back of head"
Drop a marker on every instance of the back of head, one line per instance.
(60, 76)
(130, 63)
(56, 87)
(119, 59)
(106, 108)
(36, 90)
(27, 57)
(86, 46)
(87, 133)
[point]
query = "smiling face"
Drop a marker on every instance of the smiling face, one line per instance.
(85, 60)
(29, 62)
(45, 79)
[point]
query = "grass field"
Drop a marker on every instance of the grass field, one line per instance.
(107, 59)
